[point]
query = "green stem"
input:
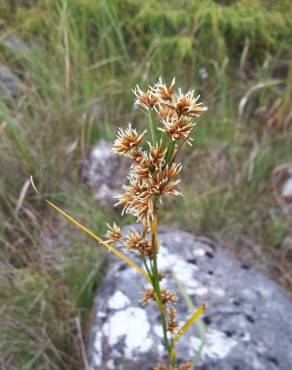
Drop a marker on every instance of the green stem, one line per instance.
(169, 152)
(156, 287)
(147, 268)
(152, 129)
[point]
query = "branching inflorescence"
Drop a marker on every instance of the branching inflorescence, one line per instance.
(154, 175)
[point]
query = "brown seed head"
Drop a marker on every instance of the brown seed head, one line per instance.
(162, 91)
(113, 233)
(143, 210)
(164, 113)
(148, 295)
(145, 99)
(172, 323)
(125, 199)
(178, 129)
(137, 156)
(167, 296)
(187, 104)
(127, 140)
(135, 242)
(142, 171)
(186, 366)
(162, 182)
(160, 367)
(156, 155)
(172, 171)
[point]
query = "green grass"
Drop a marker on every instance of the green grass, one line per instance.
(85, 58)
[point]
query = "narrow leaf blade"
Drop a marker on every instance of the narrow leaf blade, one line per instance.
(195, 316)
(101, 241)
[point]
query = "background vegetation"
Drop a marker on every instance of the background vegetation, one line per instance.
(78, 61)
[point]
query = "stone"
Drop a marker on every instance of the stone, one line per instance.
(18, 46)
(248, 322)
(282, 184)
(287, 189)
(10, 84)
(105, 172)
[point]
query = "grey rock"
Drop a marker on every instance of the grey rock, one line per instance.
(10, 84)
(14, 43)
(287, 189)
(105, 172)
(18, 46)
(248, 322)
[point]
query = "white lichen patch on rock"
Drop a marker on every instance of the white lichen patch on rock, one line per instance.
(184, 271)
(130, 325)
(195, 344)
(201, 291)
(165, 259)
(97, 345)
(118, 301)
(218, 292)
(218, 345)
(158, 330)
(199, 252)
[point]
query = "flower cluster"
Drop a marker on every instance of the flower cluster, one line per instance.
(167, 296)
(154, 173)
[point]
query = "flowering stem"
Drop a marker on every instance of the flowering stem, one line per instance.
(152, 128)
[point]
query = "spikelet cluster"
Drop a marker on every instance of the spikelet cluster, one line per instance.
(153, 173)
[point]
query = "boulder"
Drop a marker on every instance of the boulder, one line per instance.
(247, 325)
(105, 172)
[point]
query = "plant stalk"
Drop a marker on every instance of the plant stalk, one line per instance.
(152, 129)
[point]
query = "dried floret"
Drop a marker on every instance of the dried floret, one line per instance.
(160, 367)
(164, 113)
(127, 140)
(167, 296)
(171, 322)
(113, 233)
(162, 91)
(186, 104)
(178, 129)
(145, 99)
(136, 242)
(186, 366)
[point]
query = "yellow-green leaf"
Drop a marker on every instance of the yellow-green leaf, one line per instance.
(195, 316)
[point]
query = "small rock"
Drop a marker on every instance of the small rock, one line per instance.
(105, 172)
(10, 84)
(18, 46)
(248, 322)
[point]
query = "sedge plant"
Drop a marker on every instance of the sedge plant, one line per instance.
(153, 175)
